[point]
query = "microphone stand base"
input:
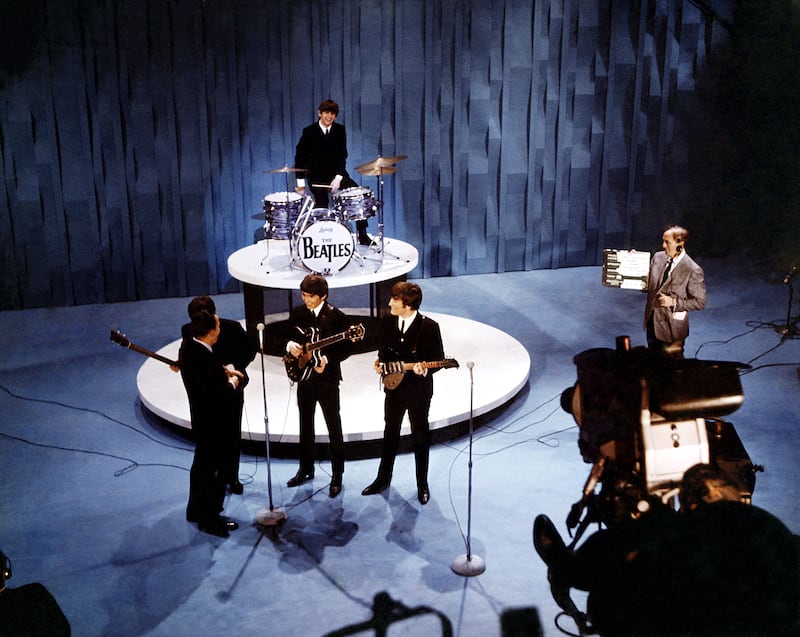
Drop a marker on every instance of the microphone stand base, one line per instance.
(273, 517)
(468, 565)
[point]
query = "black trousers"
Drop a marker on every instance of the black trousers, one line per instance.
(206, 481)
(406, 397)
(325, 392)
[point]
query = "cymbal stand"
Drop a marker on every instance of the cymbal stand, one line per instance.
(381, 244)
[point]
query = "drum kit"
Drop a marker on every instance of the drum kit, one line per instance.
(322, 240)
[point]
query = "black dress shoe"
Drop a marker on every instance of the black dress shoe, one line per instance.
(335, 488)
(376, 487)
(423, 495)
(300, 477)
(547, 541)
(237, 488)
(215, 527)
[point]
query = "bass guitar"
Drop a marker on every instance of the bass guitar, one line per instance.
(120, 339)
(393, 372)
(300, 368)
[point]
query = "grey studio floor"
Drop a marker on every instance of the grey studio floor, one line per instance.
(94, 487)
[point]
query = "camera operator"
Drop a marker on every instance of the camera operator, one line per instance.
(29, 610)
(717, 567)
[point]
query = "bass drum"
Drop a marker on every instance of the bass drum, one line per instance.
(355, 204)
(282, 210)
(322, 243)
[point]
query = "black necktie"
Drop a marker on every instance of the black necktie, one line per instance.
(666, 272)
(402, 326)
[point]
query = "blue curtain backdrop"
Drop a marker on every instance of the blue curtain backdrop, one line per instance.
(135, 134)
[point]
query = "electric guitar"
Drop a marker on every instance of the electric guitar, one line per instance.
(300, 368)
(393, 372)
(119, 338)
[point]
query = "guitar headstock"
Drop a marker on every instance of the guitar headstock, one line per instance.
(449, 363)
(119, 338)
(356, 332)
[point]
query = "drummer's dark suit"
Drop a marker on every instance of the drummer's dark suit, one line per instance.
(212, 403)
(323, 157)
(422, 341)
(321, 388)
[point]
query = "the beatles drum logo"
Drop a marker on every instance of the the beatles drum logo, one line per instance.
(325, 246)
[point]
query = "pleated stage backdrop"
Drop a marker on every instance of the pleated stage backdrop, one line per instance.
(136, 135)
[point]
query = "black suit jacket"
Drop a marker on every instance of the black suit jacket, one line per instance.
(212, 398)
(422, 341)
(233, 347)
(331, 321)
(323, 157)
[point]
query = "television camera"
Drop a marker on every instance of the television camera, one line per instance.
(646, 418)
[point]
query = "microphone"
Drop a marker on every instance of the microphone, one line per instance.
(260, 328)
(470, 365)
(790, 275)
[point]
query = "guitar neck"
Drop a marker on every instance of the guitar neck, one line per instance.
(407, 367)
(330, 340)
(147, 352)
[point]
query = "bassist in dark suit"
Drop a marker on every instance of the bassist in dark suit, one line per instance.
(407, 335)
(317, 319)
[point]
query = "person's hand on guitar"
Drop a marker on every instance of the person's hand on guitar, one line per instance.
(420, 369)
(323, 361)
(295, 349)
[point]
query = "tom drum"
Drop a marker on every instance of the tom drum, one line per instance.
(355, 204)
(282, 210)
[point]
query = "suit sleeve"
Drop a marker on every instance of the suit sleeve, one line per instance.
(695, 298)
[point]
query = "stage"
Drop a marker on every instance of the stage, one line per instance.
(501, 367)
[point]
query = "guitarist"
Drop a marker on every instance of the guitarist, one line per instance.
(408, 336)
(317, 319)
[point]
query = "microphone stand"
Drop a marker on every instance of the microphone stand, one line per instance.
(271, 516)
(468, 564)
(788, 330)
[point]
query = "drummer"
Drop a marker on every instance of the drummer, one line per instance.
(322, 153)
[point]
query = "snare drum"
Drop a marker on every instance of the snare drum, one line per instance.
(322, 243)
(355, 204)
(282, 210)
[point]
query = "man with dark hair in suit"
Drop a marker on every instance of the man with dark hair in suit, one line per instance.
(213, 395)
(717, 567)
(408, 336)
(322, 153)
(676, 286)
(29, 610)
(317, 320)
(235, 349)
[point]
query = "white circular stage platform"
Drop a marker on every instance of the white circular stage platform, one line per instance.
(501, 367)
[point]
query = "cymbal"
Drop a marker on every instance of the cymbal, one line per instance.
(259, 217)
(380, 162)
(377, 172)
(286, 169)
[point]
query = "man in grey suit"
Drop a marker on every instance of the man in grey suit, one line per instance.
(676, 286)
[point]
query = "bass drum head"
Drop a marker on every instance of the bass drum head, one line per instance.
(325, 245)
